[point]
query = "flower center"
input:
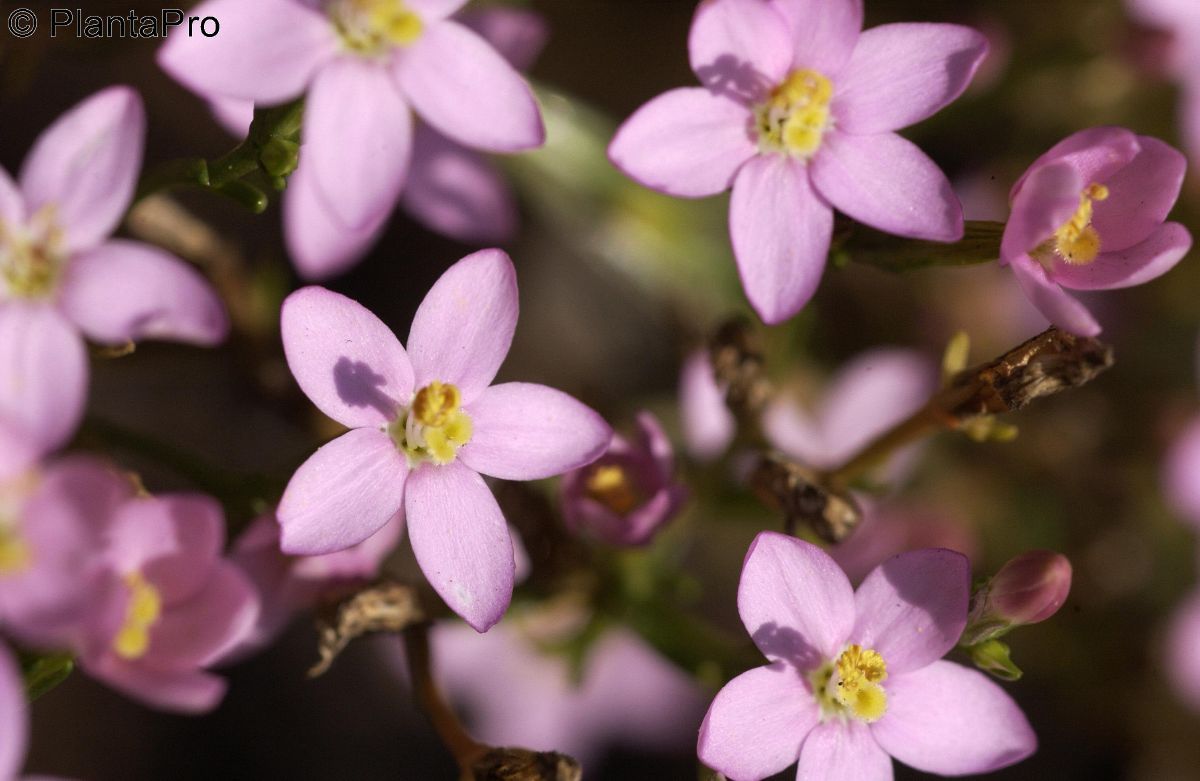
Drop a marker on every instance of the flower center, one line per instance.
(610, 485)
(434, 427)
(141, 614)
(796, 115)
(373, 28)
(14, 551)
(850, 686)
(1077, 241)
(32, 256)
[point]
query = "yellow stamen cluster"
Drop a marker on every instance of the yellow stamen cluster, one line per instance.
(850, 686)
(32, 256)
(435, 426)
(142, 612)
(14, 551)
(373, 28)
(795, 117)
(1077, 241)
(611, 486)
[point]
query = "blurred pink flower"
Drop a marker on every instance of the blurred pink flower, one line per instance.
(61, 274)
(627, 495)
(363, 65)
(870, 394)
(889, 528)
(1088, 215)
(1182, 660)
(425, 424)
(797, 115)
(856, 676)
(1181, 474)
(517, 694)
(708, 425)
(172, 607)
(1181, 57)
(287, 584)
(14, 717)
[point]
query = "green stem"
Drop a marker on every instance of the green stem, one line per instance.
(980, 244)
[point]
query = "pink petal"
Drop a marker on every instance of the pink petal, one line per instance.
(345, 359)
(235, 116)
(795, 601)
(1181, 473)
(320, 245)
(1140, 195)
(43, 374)
(756, 724)
(1051, 300)
(174, 540)
(86, 164)
(1095, 154)
(739, 47)
(794, 431)
(457, 192)
(524, 431)
(198, 632)
(461, 541)
(687, 142)
(14, 715)
(780, 230)
(127, 291)
(343, 493)
(358, 139)
(888, 183)
(464, 327)
(900, 74)
(1156, 255)
(824, 32)
(913, 607)
(517, 34)
(459, 84)
(18, 453)
(1182, 662)
(12, 203)
(1047, 199)
(180, 691)
(435, 10)
(952, 721)
(843, 750)
(267, 51)
(708, 425)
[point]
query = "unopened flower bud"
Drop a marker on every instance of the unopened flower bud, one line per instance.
(1027, 590)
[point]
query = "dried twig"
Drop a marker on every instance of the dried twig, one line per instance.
(384, 607)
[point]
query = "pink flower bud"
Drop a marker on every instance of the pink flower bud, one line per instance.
(1029, 588)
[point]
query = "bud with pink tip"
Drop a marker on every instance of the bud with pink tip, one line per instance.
(1027, 590)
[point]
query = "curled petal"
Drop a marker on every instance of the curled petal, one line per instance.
(199, 631)
(1094, 154)
(1055, 304)
(1048, 199)
(1140, 195)
(1149, 259)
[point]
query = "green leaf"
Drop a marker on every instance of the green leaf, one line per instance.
(994, 658)
(43, 673)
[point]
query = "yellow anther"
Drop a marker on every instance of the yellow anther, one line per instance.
(609, 484)
(436, 403)
(142, 612)
(14, 551)
(796, 115)
(857, 674)
(1077, 241)
(374, 27)
(435, 426)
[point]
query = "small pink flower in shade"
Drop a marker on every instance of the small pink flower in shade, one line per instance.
(61, 274)
(870, 394)
(796, 114)
(14, 717)
(1181, 474)
(517, 694)
(287, 584)
(172, 606)
(52, 519)
(856, 676)
(426, 424)
(627, 495)
(365, 66)
(1088, 215)
(888, 528)
(1183, 652)
(708, 425)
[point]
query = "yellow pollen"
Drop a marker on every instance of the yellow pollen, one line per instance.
(14, 551)
(1077, 241)
(435, 427)
(857, 674)
(609, 484)
(32, 255)
(795, 117)
(373, 28)
(142, 612)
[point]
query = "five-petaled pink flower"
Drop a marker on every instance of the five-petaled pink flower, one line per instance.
(797, 114)
(856, 676)
(1088, 215)
(60, 274)
(362, 65)
(426, 423)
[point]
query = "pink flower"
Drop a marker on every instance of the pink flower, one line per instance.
(856, 676)
(890, 528)
(172, 605)
(287, 584)
(517, 694)
(14, 717)
(364, 66)
(425, 424)
(1181, 18)
(60, 274)
(1182, 660)
(870, 394)
(1181, 474)
(1088, 215)
(627, 495)
(708, 425)
(796, 115)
